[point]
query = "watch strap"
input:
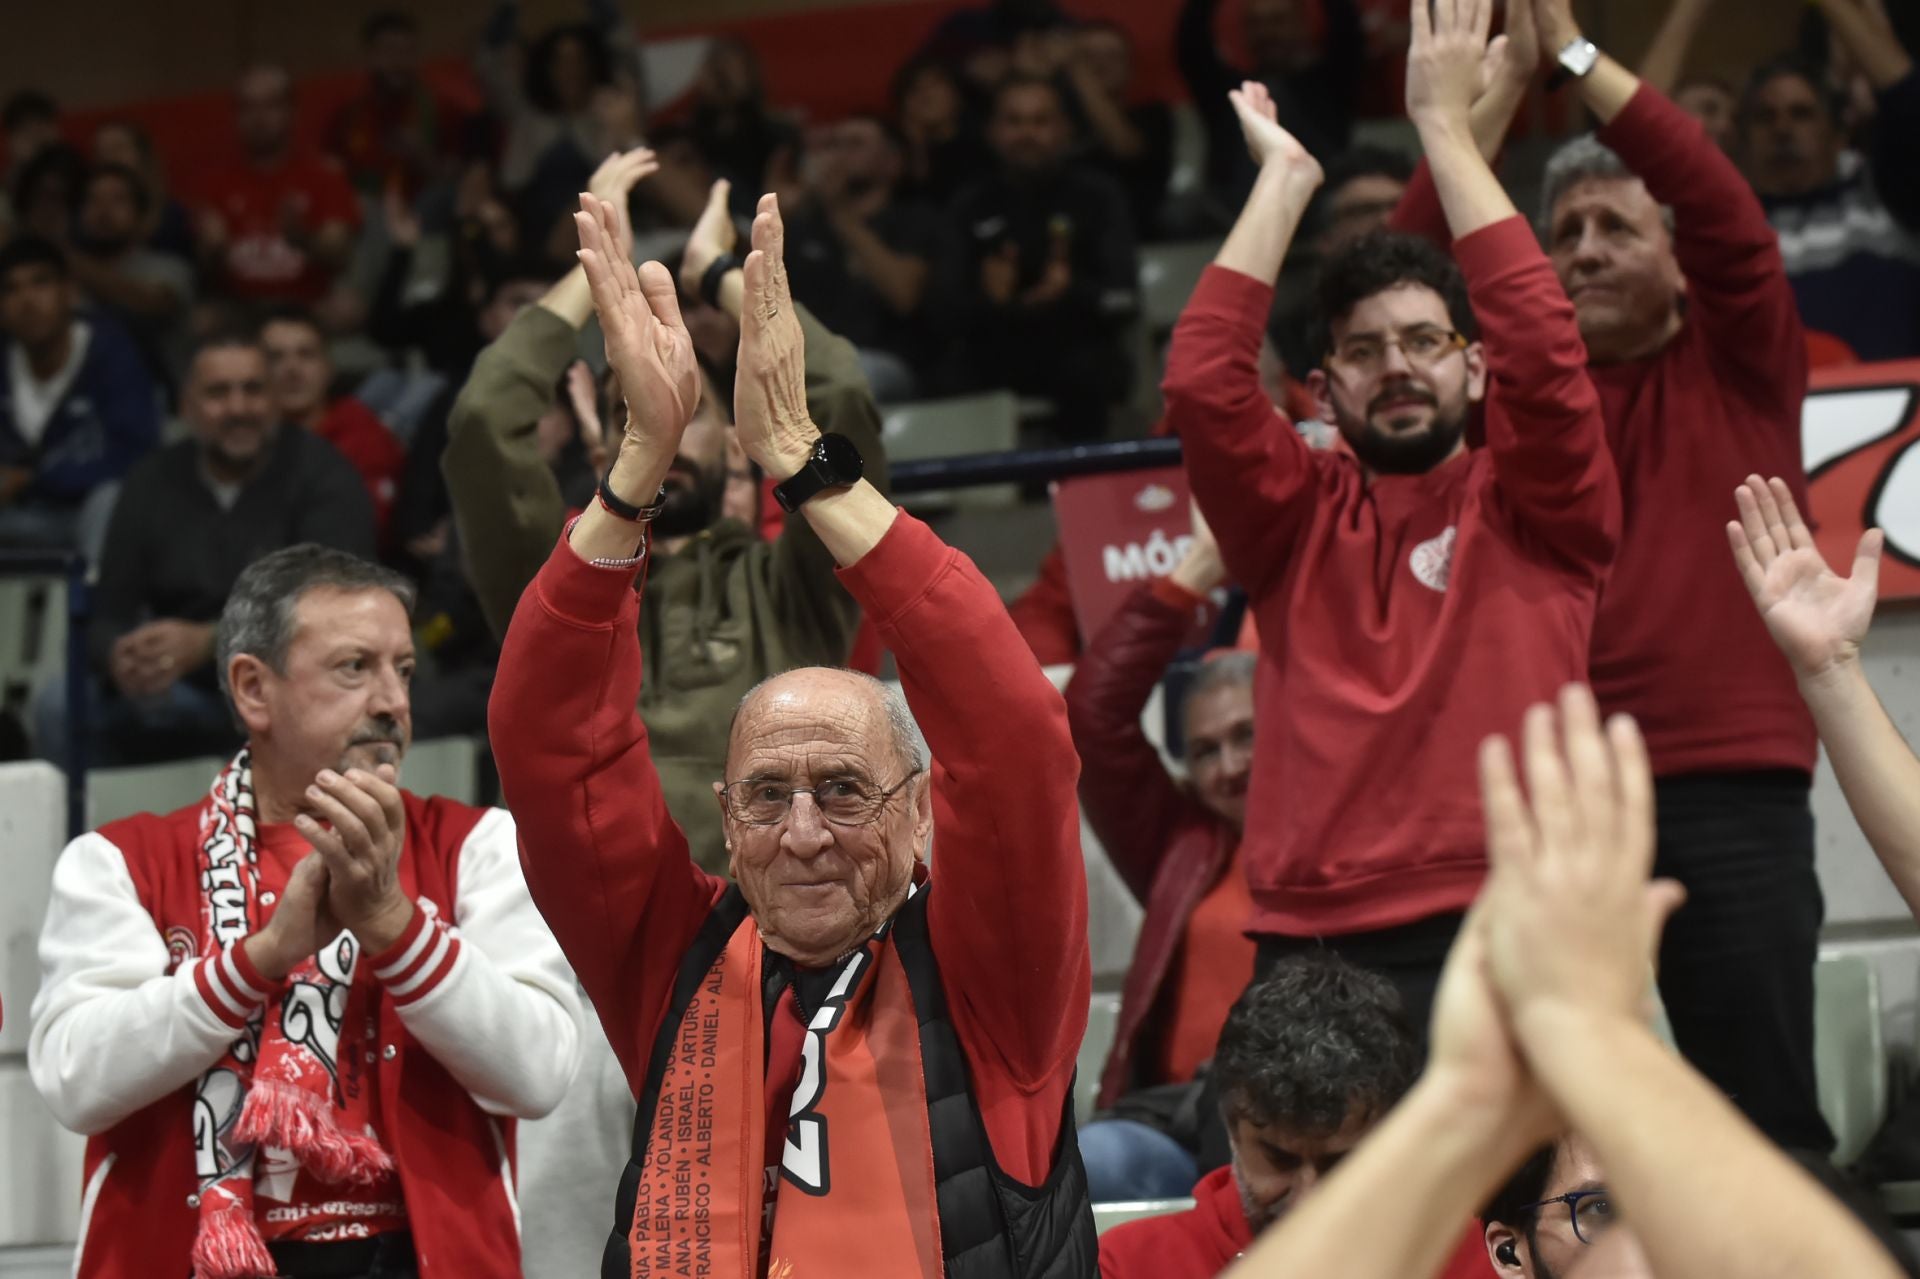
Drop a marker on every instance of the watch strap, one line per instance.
(716, 272)
(623, 509)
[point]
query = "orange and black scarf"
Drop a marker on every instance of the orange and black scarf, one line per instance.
(856, 1193)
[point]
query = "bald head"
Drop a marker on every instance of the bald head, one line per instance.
(830, 692)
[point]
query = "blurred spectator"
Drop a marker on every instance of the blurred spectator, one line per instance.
(545, 95)
(397, 132)
(1363, 187)
(77, 408)
(980, 43)
(166, 225)
(278, 224)
(46, 192)
(943, 150)
(30, 120)
(737, 136)
(300, 387)
(1131, 141)
(149, 291)
(1176, 846)
(1039, 277)
(1311, 1058)
(189, 518)
(1849, 225)
(1706, 98)
(1310, 69)
(857, 256)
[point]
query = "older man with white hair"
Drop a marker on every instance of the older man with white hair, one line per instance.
(844, 1065)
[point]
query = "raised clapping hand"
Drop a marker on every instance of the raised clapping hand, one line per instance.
(1267, 142)
(647, 342)
(358, 824)
(1450, 63)
(613, 183)
(713, 235)
(770, 385)
(1572, 921)
(1817, 617)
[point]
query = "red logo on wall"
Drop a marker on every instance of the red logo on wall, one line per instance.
(1860, 437)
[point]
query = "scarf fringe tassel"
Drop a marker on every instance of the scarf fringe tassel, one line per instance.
(280, 1114)
(229, 1245)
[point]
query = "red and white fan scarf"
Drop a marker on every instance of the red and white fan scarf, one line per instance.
(277, 1085)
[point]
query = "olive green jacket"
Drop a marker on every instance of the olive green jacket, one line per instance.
(716, 617)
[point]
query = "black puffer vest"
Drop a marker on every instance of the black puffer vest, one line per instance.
(991, 1226)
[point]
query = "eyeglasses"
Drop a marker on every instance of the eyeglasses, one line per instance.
(1423, 344)
(844, 801)
(1591, 1212)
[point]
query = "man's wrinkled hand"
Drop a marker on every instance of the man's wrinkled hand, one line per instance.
(300, 924)
(770, 382)
(647, 342)
(357, 822)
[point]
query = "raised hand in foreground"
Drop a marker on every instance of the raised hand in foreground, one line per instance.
(770, 384)
(1817, 617)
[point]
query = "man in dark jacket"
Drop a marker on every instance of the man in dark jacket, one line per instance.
(77, 404)
(190, 518)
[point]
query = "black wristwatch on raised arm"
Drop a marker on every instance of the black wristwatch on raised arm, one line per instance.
(834, 463)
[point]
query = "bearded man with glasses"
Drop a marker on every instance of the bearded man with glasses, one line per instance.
(844, 1065)
(1412, 593)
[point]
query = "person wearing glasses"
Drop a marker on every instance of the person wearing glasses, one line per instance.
(843, 1063)
(1552, 1211)
(1412, 593)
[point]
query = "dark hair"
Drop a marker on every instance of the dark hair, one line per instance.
(1528, 1185)
(904, 78)
(287, 313)
(382, 21)
(142, 141)
(540, 87)
(1312, 1045)
(258, 617)
(1376, 262)
(228, 335)
(142, 198)
(1351, 165)
(1019, 80)
(31, 250)
(1797, 66)
(58, 162)
(28, 106)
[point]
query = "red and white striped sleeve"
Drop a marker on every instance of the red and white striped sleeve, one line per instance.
(230, 984)
(415, 965)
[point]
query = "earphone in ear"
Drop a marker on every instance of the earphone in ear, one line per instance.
(1507, 1254)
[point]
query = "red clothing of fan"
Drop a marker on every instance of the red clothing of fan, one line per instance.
(1677, 643)
(1207, 1238)
(364, 440)
(261, 263)
(1403, 618)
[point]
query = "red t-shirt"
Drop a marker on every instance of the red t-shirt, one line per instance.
(1403, 618)
(288, 1201)
(1214, 965)
(364, 440)
(258, 205)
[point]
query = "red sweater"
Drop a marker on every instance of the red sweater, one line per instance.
(1204, 1240)
(1402, 618)
(1677, 643)
(364, 440)
(609, 869)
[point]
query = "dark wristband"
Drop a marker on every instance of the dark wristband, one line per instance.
(627, 510)
(716, 271)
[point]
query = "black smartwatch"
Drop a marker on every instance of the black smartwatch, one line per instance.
(835, 463)
(716, 272)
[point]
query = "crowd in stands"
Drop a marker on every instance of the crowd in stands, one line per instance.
(1492, 490)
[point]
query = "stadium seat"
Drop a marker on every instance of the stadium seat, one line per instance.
(955, 427)
(1107, 1216)
(1849, 1053)
(1168, 273)
(1103, 1019)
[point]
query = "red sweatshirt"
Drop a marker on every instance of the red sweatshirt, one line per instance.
(1677, 643)
(1007, 916)
(365, 441)
(1402, 618)
(1204, 1240)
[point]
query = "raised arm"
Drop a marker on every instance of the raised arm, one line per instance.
(603, 858)
(1736, 279)
(1251, 473)
(1665, 61)
(1009, 906)
(1572, 922)
(1131, 801)
(1888, 66)
(1819, 619)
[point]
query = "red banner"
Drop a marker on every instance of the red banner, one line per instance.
(1117, 531)
(1859, 434)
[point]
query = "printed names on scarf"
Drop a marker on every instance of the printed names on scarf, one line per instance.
(680, 1222)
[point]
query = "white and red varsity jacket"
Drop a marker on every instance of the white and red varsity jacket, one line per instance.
(480, 1024)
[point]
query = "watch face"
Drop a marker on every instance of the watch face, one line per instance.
(838, 456)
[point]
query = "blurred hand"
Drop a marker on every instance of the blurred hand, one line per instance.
(1513, 57)
(149, 658)
(13, 482)
(358, 824)
(1817, 617)
(1000, 274)
(583, 395)
(647, 342)
(713, 236)
(1448, 62)
(1201, 569)
(613, 183)
(1267, 142)
(1555, 26)
(403, 225)
(770, 380)
(1572, 920)
(1472, 1048)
